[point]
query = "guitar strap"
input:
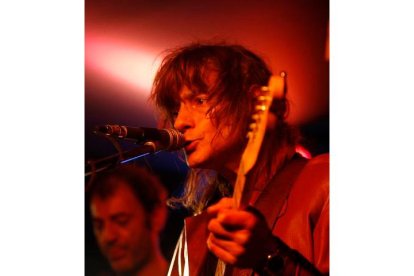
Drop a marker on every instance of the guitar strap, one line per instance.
(275, 195)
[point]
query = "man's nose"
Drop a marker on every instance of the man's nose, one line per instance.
(109, 234)
(184, 119)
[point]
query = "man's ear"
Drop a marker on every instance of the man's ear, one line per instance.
(158, 218)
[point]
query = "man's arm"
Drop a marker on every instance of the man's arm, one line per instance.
(243, 239)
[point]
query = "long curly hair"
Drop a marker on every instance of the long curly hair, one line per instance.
(239, 73)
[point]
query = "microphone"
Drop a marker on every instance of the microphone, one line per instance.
(161, 139)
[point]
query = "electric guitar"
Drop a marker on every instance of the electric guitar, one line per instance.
(275, 89)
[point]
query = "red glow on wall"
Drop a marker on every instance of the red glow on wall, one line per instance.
(125, 39)
(115, 59)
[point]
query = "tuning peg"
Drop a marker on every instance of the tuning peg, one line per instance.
(256, 118)
(264, 88)
(261, 107)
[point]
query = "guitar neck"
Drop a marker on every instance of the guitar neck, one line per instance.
(239, 187)
(275, 89)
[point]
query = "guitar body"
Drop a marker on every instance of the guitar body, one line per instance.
(202, 261)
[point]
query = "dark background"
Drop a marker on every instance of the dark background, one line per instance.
(124, 41)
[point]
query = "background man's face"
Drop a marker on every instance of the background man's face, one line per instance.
(121, 229)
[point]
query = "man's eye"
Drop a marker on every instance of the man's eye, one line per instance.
(122, 220)
(200, 100)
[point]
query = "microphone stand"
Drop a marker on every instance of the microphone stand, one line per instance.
(102, 164)
(172, 140)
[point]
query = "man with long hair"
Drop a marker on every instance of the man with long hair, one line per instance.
(208, 92)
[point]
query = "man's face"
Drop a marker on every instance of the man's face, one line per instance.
(208, 148)
(121, 230)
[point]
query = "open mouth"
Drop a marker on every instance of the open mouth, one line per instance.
(191, 146)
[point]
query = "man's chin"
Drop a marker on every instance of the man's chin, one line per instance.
(192, 162)
(200, 164)
(195, 163)
(121, 265)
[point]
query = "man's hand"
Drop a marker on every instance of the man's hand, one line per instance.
(238, 237)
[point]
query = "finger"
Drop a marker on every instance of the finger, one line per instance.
(220, 252)
(216, 228)
(232, 247)
(236, 219)
(240, 238)
(224, 203)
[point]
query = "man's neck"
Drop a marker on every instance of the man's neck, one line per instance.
(157, 266)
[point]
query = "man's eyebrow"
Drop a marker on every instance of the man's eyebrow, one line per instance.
(120, 215)
(192, 94)
(187, 94)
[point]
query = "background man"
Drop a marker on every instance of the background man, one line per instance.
(128, 212)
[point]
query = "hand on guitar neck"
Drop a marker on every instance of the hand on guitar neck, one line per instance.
(238, 237)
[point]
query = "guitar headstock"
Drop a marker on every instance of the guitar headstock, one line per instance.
(274, 90)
